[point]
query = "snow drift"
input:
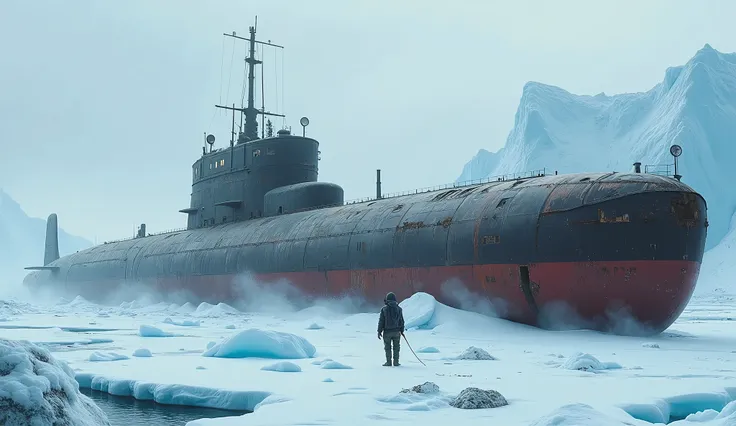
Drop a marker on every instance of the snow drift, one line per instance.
(256, 343)
(694, 106)
(173, 394)
(36, 389)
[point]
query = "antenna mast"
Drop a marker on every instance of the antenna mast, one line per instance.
(249, 131)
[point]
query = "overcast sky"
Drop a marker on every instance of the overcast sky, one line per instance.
(103, 104)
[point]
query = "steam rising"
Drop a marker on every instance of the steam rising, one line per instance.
(247, 294)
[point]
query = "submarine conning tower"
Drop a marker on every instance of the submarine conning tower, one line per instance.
(231, 184)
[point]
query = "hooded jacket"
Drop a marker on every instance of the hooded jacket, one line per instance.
(391, 318)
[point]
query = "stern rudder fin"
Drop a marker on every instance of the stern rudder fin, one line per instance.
(51, 246)
(51, 252)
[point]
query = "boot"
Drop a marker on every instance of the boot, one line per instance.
(396, 360)
(388, 360)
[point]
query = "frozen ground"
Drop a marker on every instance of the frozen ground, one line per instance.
(316, 367)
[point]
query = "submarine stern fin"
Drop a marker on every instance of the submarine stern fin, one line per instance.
(51, 247)
(51, 252)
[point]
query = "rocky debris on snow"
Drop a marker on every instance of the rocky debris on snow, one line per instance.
(426, 387)
(475, 354)
(650, 345)
(474, 398)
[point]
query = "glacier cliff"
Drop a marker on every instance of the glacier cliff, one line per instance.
(693, 106)
(22, 241)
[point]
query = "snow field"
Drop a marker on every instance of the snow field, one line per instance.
(541, 374)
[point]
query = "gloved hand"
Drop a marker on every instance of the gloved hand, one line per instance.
(379, 335)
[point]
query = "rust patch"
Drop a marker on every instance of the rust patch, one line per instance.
(410, 225)
(686, 210)
(491, 239)
(602, 218)
(616, 219)
(445, 222)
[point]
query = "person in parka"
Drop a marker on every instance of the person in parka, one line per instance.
(391, 326)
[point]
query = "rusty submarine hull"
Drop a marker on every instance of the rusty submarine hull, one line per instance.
(595, 243)
(597, 249)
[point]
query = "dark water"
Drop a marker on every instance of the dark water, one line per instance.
(127, 411)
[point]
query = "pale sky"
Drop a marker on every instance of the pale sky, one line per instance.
(104, 103)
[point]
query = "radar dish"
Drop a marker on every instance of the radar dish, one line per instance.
(210, 139)
(676, 150)
(304, 121)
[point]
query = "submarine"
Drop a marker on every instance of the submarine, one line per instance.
(601, 249)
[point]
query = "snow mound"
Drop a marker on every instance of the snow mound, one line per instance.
(283, 367)
(10, 308)
(151, 331)
(474, 398)
(418, 310)
(650, 345)
(173, 394)
(142, 353)
(211, 344)
(214, 311)
(587, 362)
(134, 304)
(423, 311)
(185, 323)
(328, 380)
(428, 350)
(426, 387)
(37, 389)
(475, 354)
(79, 303)
(230, 327)
(106, 356)
(256, 343)
(334, 365)
(424, 397)
(318, 362)
(579, 414)
(186, 308)
(315, 326)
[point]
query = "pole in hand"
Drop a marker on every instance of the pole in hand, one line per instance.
(412, 350)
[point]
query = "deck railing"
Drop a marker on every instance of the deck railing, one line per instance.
(463, 184)
(659, 169)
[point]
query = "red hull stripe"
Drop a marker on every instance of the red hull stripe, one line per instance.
(653, 292)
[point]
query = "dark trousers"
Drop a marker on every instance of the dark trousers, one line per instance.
(391, 337)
